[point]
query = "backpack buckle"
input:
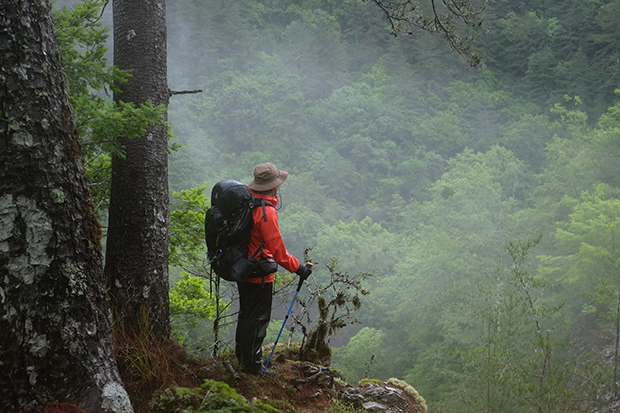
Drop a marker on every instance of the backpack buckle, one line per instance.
(214, 257)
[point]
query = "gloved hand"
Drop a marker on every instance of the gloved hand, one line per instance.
(304, 271)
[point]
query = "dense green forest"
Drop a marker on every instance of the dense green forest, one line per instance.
(485, 201)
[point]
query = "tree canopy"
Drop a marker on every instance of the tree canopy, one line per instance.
(439, 177)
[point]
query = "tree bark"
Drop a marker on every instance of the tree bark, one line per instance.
(55, 341)
(136, 265)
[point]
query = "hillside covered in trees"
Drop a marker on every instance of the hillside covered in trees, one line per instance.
(485, 201)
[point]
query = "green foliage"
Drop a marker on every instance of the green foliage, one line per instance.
(355, 359)
(510, 343)
(607, 43)
(187, 229)
(191, 306)
(100, 122)
(543, 379)
(589, 257)
(315, 39)
(192, 309)
(359, 246)
(299, 224)
(517, 37)
(190, 300)
(526, 138)
(273, 329)
(405, 163)
(472, 202)
(81, 38)
(458, 24)
(589, 240)
(211, 396)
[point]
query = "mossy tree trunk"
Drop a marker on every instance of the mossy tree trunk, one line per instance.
(55, 341)
(136, 264)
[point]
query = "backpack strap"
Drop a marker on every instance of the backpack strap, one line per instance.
(263, 203)
(260, 249)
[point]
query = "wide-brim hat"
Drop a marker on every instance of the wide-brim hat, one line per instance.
(267, 176)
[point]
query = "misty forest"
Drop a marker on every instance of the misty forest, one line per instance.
(461, 206)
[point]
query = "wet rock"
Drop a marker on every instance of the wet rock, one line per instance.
(393, 396)
(374, 407)
(352, 396)
(387, 395)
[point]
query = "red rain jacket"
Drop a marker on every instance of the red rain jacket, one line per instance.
(269, 233)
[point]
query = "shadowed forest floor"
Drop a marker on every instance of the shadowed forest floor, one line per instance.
(161, 377)
(289, 389)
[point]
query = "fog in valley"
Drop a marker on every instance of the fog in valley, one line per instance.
(484, 201)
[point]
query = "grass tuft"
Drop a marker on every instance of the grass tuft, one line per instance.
(61, 408)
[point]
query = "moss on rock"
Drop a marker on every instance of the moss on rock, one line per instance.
(212, 396)
(410, 390)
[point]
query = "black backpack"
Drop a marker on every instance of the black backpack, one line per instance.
(227, 231)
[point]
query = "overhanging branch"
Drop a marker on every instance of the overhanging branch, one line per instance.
(457, 24)
(183, 92)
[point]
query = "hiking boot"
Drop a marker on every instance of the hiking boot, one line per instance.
(261, 372)
(267, 373)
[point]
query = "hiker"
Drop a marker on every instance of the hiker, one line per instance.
(255, 293)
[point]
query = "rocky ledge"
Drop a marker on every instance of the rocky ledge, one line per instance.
(391, 396)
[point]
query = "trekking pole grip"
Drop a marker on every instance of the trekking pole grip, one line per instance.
(301, 279)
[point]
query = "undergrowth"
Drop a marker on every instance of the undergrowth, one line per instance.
(216, 385)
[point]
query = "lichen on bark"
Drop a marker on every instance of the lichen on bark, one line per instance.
(56, 343)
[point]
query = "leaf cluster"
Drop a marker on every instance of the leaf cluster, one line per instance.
(91, 81)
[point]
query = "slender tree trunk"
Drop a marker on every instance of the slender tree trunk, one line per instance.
(136, 265)
(616, 347)
(55, 341)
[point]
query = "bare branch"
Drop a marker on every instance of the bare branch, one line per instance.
(183, 92)
(458, 25)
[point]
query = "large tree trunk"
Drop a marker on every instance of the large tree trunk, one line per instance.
(136, 265)
(55, 341)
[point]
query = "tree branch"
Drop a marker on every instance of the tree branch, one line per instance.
(405, 15)
(183, 92)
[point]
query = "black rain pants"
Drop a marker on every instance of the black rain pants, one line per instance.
(254, 315)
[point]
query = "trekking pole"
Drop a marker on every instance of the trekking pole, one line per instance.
(301, 281)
